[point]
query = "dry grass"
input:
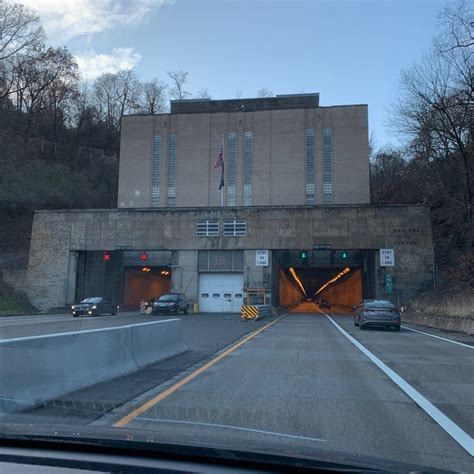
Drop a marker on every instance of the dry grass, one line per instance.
(448, 299)
(462, 307)
(13, 303)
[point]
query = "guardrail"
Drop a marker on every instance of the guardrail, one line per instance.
(38, 368)
(254, 312)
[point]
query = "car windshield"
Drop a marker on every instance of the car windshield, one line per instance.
(168, 298)
(92, 300)
(275, 199)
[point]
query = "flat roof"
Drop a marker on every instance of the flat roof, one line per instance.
(279, 102)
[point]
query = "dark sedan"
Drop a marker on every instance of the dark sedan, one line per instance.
(171, 303)
(94, 306)
(324, 304)
(377, 313)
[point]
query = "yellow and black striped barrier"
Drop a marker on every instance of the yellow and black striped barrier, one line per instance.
(253, 312)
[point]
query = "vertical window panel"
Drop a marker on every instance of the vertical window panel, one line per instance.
(172, 170)
(248, 159)
(230, 163)
(310, 189)
(327, 165)
(155, 171)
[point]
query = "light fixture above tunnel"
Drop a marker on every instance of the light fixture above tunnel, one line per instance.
(298, 281)
(333, 280)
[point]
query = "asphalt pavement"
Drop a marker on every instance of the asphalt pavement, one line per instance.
(298, 381)
(302, 383)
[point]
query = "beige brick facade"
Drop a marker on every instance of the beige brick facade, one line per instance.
(279, 172)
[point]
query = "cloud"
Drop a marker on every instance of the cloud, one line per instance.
(64, 20)
(93, 65)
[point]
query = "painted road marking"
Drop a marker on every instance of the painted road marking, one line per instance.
(166, 393)
(457, 433)
(439, 337)
(231, 427)
(72, 333)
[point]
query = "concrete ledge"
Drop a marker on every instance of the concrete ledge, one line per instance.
(38, 368)
(445, 323)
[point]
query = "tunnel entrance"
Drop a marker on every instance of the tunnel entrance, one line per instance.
(124, 276)
(145, 283)
(343, 277)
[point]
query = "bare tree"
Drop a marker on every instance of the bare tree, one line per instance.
(19, 29)
(154, 96)
(115, 95)
(264, 93)
(178, 80)
(457, 23)
(434, 111)
(45, 81)
(203, 94)
(20, 37)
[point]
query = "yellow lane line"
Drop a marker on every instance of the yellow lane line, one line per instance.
(166, 393)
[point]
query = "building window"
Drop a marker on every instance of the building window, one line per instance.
(248, 158)
(220, 261)
(310, 166)
(155, 171)
(207, 228)
(231, 167)
(327, 165)
(235, 228)
(172, 171)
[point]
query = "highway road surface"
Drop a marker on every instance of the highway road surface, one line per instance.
(309, 379)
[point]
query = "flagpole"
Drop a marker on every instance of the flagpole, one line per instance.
(222, 171)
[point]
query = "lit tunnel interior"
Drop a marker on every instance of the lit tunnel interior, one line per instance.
(341, 286)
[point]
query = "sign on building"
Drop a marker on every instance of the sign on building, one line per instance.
(261, 258)
(387, 257)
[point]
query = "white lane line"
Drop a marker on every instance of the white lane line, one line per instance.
(457, 433)
(72, 333)
(231, 427)
(439, 337)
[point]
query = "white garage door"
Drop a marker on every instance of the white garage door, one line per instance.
(220, 292)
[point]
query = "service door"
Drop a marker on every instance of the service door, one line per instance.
(220, 292)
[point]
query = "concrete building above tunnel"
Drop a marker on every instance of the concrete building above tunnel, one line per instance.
(296, 180)
(211, 254)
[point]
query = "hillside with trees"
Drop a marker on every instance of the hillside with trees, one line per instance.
(60, 135)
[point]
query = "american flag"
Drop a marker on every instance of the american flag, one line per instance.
(220, 158)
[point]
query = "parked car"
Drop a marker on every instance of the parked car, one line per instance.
(324, 303)
(171, 303)
(94, 306)
(380, 313)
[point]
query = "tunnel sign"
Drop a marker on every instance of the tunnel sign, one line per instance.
(261, 258)
(387, 258)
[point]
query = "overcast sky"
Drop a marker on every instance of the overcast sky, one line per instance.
(350, 51)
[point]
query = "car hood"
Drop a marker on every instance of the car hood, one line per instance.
(183, 444)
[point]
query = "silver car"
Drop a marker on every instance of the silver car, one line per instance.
(380, 313)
